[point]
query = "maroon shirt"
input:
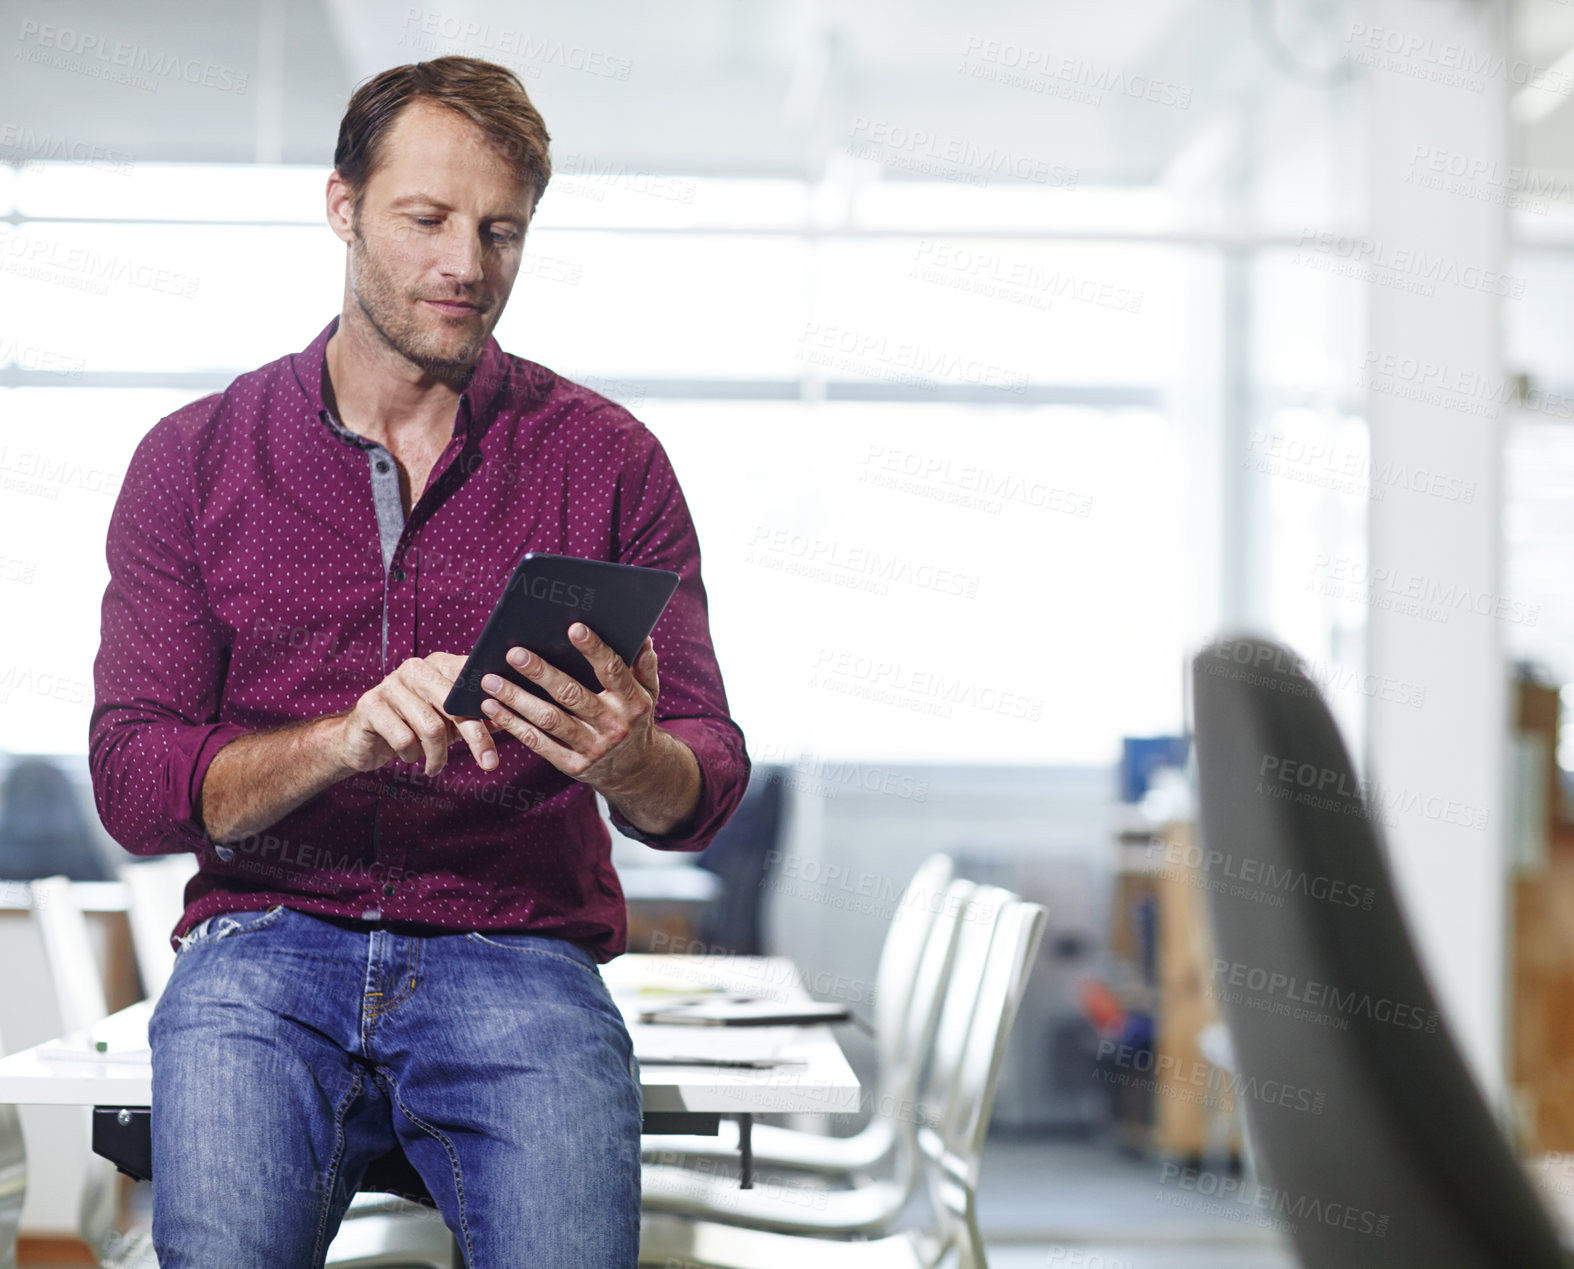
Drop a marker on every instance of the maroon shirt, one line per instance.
(261, 572)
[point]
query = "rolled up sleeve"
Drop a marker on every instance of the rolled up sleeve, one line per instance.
(159, 674)
(655, 530)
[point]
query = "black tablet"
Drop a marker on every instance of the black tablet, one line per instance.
(546, 595)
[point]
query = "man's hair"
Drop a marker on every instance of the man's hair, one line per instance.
(488, 95)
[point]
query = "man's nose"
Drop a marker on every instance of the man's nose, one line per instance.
(461, 256)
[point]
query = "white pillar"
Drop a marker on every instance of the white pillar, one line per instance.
(1437, 258)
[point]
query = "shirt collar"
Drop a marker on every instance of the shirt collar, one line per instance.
(475, 401)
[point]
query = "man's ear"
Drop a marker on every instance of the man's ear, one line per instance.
(342, 211)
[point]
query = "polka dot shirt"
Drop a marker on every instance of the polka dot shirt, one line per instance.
(260, 573)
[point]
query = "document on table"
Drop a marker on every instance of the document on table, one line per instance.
(83, 1051)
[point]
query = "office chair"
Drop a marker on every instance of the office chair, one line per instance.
(1401, 1166)
(910, 982)
(44, 829)
(963, 1078)
(740, 855)
(869, 1205)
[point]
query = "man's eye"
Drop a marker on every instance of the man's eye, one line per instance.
(503, 240)
(426, 220)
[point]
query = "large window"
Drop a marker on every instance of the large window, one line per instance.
(933, 448)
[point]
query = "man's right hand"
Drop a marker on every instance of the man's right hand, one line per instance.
(403, 717)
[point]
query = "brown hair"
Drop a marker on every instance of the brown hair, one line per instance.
(487, 94)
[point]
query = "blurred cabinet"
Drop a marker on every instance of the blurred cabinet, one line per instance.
(1173, 1101)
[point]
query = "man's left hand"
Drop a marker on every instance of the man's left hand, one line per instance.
(605, 739)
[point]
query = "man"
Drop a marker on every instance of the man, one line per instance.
(391, 945)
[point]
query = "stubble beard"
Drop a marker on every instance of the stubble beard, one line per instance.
(395, 317)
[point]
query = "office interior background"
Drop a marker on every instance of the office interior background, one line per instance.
(1006, 354)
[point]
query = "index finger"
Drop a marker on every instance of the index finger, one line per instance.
(435, 675)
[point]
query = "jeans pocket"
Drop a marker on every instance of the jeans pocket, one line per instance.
(227, 925)
(536, 945)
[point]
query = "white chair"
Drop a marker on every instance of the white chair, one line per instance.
(410, 1237)
(157, 899)
(13, 1180)
(71, 1191)
(869, 1206)
(909, 982)
(951, 1152)
(371, 1236)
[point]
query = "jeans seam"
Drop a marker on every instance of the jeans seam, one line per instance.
(412, 967)
(537, 951)
(453, 1161)
(319, 1247)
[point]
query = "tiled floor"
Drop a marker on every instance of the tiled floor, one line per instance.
(1054, 1204)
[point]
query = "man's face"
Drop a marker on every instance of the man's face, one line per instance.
(437, 243)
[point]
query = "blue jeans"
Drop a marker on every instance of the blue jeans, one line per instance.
(289, 1052)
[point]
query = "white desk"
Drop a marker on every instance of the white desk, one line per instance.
(677, 1098)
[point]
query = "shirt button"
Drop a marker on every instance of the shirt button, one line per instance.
(382, 466)
(398, 574)
(388, 887)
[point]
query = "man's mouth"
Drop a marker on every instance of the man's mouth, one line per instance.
(458, 308)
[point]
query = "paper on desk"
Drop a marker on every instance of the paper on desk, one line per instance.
(652, 1041)
(60, 1051)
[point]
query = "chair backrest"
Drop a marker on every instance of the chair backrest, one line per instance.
(44, 827)
(13, 1179)
(918, 908)
(68, 949)
(1011, 955)
(974, 932)
(934, 962)
(1385, 1155)
(741, 854)
(72, 1186)
(951, 1144)
(156, 891)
